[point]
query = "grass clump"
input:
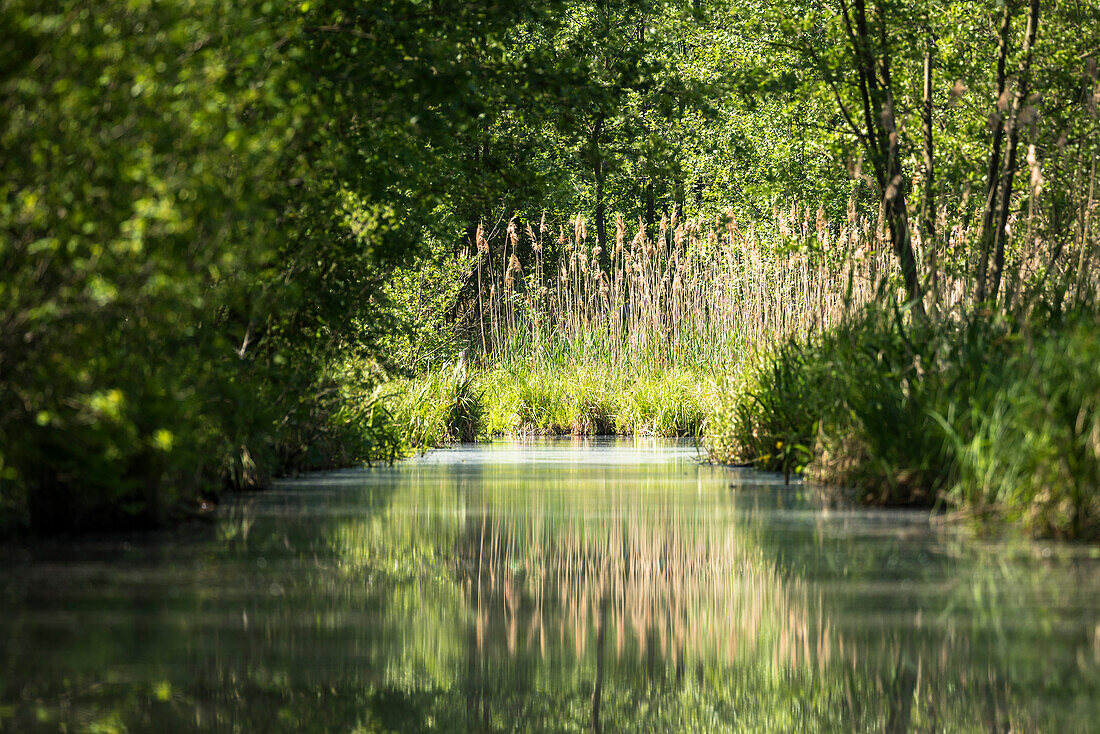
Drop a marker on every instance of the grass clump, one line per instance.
(767, 409)
(1031, 454)
(667, 403)
(858, 406)
(436, 408)
(536, 398)
(529, 398)
(995, 418)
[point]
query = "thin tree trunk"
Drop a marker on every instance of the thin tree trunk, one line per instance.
(649, 203)
(1001, 234)
(680, 194)
(650, 209)
(474, 216)
(897, 217)
(985, 239)
(598, 172)
(881, 140)
(1084, 258)
(928, 225)
(868, 87)
(894, 195)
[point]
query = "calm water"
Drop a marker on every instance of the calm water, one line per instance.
(554, 586)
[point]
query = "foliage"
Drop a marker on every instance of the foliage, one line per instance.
(425, 300)
(200, 205)
(127, 224)
(771, 409)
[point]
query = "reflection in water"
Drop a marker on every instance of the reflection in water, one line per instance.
(659, 576)
(551, 586)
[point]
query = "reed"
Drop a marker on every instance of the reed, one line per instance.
(640, 336)
(695, 293)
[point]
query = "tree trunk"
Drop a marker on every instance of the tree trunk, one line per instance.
(1018, 101)
(985, 240)
(649, 204)
(650, 209)
(869, 89)
(680, 194)
(897, 216)
(928, 225)
(880, 138)
(597, 170)
(893, 195)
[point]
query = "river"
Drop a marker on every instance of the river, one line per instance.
(557, 586)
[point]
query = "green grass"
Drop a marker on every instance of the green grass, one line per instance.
(434, 409)
(592, 399)
(996, 419)
(1028, 450)
(538, 398)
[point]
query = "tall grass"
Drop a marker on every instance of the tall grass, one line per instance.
(1028, 448)
(994, 418)
(524, 398)
(986, 408)
(692, 294)
(637, 336)
(436, 408)
(571, 336)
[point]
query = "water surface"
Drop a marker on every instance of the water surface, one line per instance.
(552, 586)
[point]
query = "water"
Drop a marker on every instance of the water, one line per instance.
(555, 586)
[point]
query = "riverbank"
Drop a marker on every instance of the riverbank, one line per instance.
(529, 399)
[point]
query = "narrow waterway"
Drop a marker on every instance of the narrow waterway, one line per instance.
(553, 586)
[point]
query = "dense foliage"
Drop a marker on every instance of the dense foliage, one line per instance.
(200, 203)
